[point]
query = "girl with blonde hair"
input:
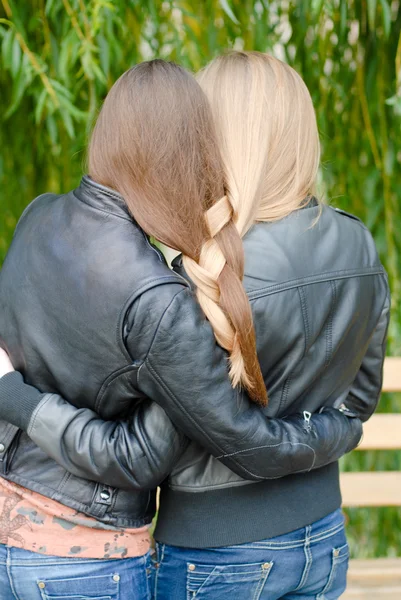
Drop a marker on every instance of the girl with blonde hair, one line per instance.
(320, 306)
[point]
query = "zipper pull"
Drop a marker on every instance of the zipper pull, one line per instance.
(307, 418)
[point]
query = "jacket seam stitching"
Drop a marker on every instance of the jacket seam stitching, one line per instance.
(386, 304)
(64, 482)
(265, 446)
(304, 310)
(176, 401)
(52, 491)
(329, 330)
(154, 249)
(89, 183)
(285, 392)
(28, 208)
(35, 413)
(159, 323)
(148, 453)
(11, 433)
(329, 276)
(109, 381)
(131, 299)
(126, 307)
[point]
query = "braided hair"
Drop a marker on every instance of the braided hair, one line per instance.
(155, 143)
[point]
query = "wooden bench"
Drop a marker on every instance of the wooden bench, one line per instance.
(377, 579)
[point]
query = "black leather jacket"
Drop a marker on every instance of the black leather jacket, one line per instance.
(89, 310)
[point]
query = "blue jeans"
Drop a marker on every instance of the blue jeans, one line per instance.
(29, 576)
(308, 563)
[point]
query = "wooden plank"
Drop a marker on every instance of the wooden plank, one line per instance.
(371, 489)
(382, 432)
(374, 579)
(392, 374)
(389, 592)
(374, 571)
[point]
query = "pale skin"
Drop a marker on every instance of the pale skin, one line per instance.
(5, 363)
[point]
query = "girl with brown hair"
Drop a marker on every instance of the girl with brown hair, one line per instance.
(89, 310)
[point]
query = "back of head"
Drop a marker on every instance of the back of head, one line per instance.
(267, 132)
(155, 143)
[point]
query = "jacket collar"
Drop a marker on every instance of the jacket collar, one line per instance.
(101, 197)
(104, 198)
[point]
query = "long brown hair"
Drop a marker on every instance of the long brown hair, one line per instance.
(154, 142)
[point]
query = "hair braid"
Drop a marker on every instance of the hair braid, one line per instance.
(155, 143)
(218, 277)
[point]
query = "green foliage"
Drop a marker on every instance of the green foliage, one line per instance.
(59, 58)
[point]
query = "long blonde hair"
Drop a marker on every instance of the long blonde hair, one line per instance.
(155, 143)
(268, 138)
(267, 133)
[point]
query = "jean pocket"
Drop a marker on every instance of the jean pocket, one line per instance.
(337, 580)
(214, 582)
(102, 587)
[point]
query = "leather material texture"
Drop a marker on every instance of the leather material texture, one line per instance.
(93, 317)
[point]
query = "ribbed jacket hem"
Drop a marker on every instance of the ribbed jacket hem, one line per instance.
(247, 513)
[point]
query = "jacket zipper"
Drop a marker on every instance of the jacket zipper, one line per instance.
(307, 418)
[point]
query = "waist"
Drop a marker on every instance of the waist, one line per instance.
(28, 466)
(36, 523)
(247, 513)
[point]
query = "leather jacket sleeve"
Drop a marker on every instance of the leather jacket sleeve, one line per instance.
(365, 391)
(138, 454)
(182, 369)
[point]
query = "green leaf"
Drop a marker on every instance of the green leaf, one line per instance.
(17, 20)
(61, 89)
(68, 122)
(20, 84)
(72, 110)
(343, 18)
(104, 54)
(7, 48)
(49, 6)
(229, 11)
(40, 106)
(372, 13)
(316, 8)
(386, 12)
(15, 58)
(87, 64)
(52, 129)
(66, 56)
(98, 73)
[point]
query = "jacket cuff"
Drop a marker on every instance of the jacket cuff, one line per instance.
(18, 400)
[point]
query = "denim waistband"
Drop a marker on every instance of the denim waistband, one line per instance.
(311, 534)
(21, 557)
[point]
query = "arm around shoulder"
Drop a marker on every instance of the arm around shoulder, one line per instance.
(186, 372)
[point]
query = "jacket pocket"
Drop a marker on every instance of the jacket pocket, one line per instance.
(215, 582)
(8, 446)
(102, 587)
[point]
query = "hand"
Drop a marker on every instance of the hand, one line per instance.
(5, 363)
